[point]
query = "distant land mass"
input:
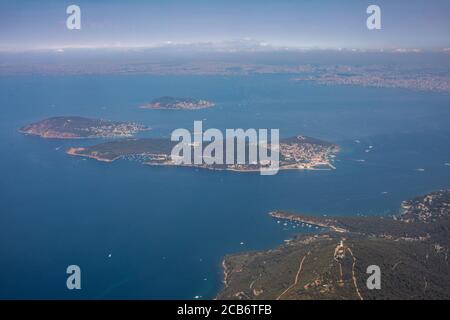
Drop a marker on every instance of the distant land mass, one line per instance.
(298, 152)
(173, 103)
(411, 250)
(411, 70)
(78, 127)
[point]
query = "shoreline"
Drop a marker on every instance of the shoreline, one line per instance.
(325, 223)
(63, 137)
(148, 107)
(74, 152)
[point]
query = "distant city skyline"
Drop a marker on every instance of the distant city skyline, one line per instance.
(225, 25)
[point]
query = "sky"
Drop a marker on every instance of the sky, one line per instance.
(410, 24)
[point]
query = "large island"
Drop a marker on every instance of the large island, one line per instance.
(411, 250)
(299, 152)
(79, 127)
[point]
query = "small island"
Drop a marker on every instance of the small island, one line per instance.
(173, 103)
(72, 127)
(299, 153)
(411, 249)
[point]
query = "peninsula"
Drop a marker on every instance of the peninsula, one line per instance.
(173, 103)
(79, 127)
(411, 250)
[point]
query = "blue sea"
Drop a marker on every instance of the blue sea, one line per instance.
(140, 232)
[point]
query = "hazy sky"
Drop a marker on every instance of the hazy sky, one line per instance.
(35, 24)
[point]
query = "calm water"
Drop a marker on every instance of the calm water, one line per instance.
(167, 229)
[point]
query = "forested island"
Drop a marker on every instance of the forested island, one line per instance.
(411, 250)
(174, 103)
(72, 127)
